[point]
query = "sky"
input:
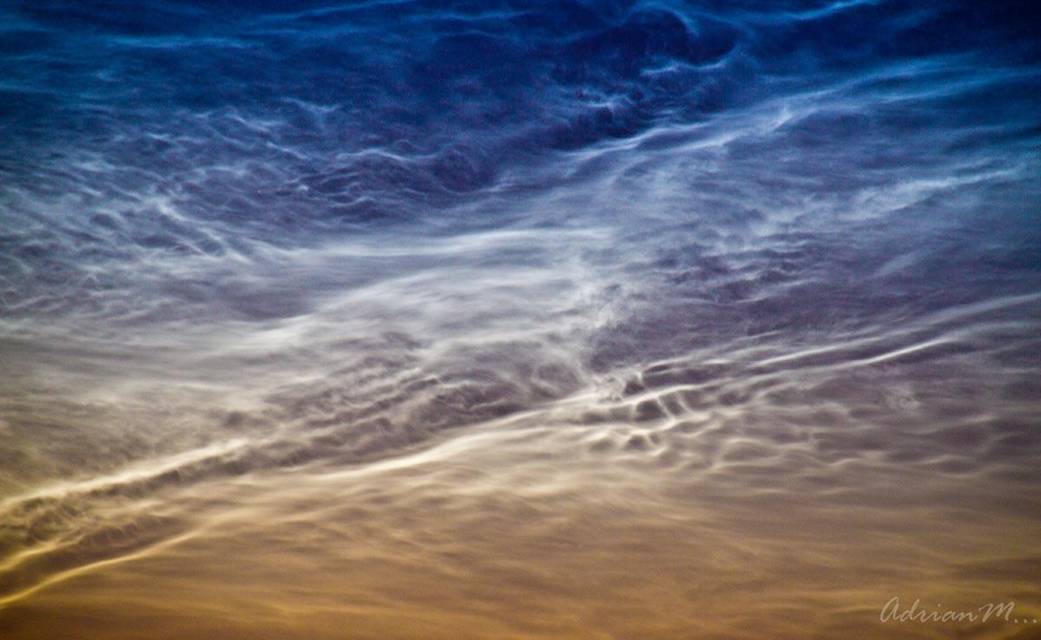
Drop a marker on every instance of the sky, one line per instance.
(518, 319)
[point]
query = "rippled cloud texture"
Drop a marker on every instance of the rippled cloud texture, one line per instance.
(518, 319)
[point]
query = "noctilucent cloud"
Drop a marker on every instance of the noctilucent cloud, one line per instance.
(501, 319)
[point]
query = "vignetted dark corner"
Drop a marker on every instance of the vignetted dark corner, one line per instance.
(496, 319)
